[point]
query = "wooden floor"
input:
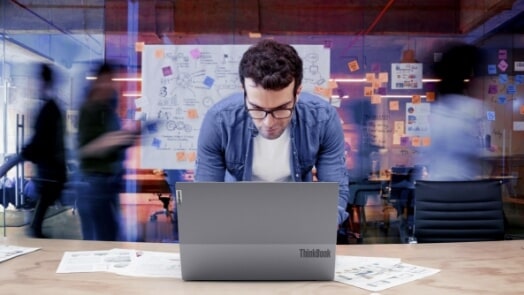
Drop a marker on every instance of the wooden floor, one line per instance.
(137, 225)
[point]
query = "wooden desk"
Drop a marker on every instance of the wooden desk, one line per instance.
(466, 268)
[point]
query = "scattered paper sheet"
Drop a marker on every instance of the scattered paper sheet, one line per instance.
(377, 273)
(8, 251)
(122, 261)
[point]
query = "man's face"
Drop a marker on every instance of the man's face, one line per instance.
(281, 103)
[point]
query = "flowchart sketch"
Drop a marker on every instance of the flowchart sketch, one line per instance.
(181, 82)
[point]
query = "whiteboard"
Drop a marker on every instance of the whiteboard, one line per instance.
(181, 82)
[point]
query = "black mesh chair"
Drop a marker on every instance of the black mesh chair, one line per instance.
(458, 211)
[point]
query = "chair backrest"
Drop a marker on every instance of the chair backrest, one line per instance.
(458, 211)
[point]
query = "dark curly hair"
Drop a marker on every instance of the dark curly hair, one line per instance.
(459, 61)
(272, 65)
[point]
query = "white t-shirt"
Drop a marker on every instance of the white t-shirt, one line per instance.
(271, 158)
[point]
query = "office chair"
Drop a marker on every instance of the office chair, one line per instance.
(399, 197)
(355, 226)
(458, 211)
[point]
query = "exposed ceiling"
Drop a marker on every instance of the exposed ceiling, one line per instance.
(123, 22)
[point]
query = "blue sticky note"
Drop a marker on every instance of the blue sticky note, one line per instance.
(502, 99)
(519, 79)
(156, 142)
(492, 69)
(490, 115)
(511, 89)
(503, 78)
(208, 81)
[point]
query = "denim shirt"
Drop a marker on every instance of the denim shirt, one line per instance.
(225, 144)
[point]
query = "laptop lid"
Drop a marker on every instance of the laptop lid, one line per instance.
(257, 230)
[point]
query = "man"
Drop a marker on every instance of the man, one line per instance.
(47, 151)
(457, 133)
(272, 132)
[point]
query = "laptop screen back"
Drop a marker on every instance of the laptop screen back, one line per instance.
(257, 230)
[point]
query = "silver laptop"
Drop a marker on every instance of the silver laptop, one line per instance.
(257, 230)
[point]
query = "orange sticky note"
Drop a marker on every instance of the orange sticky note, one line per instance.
(370, 77)
(353, 66)
(180, 156)
(159, 53)
(324, 92)
(415, 141)
(191, 156)
(430, 96)
(522, 110)
(192, 113)
(139, 46)
(368, 91)
(332, 84)
(426, 141)
(376, 99)
(415, 98)
(394, 105)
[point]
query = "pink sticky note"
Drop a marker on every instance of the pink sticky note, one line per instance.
(195, 53)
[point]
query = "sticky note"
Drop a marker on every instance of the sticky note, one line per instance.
(503, 54)
(490, 115)
(156, 142)
(493, 88)
(394, 105)
(159, 53)
(166, 71)
(381, 90)
(208, 81)
(415, 98)
(430, 96)
(181, 156)
(383, 77)
(521, 110)
(191, 156)
(503, 78)
(502, 65)
(139, 46)
(195, 53)
(415, 141)
(353, 66)
(426, 141)
(192, 113)
(492, 69)
(332, 84)
(376, 99)
(368, 91)
(370, 77)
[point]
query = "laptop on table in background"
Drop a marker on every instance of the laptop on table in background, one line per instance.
(257, 230)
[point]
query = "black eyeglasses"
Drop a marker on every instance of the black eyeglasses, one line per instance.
(279, 113)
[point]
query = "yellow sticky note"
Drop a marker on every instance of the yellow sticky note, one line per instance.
(180, 156)
(376, 99)
(426, 141)
(192, 113)
(415, 141)
(415, 98)
(139, 46)
(394, 105)
(368, 91)
(159, 53)
(353, 66)
(430, 96)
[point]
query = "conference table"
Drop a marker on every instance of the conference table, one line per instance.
(465, 268)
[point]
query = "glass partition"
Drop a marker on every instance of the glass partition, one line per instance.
(369, 48)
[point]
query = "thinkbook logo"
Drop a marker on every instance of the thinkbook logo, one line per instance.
(314, 253)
